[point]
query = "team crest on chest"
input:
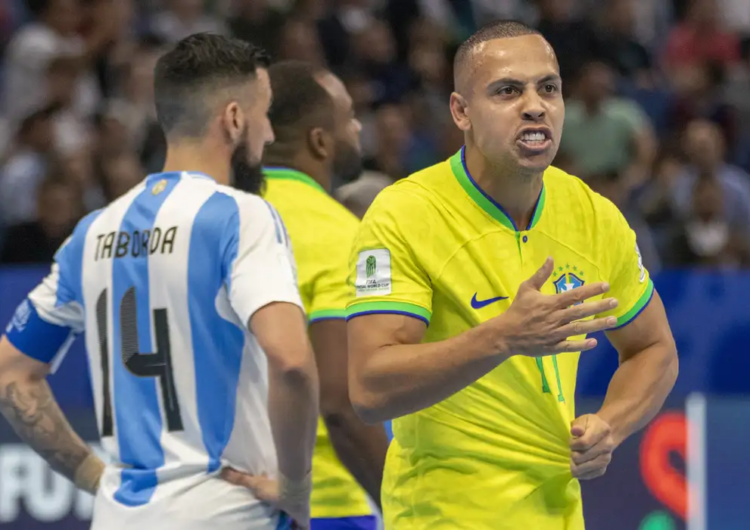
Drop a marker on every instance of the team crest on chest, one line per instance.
(569, 277)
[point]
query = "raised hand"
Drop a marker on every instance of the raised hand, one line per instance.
(537, 324)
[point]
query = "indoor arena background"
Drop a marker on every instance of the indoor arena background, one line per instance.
(670, 145)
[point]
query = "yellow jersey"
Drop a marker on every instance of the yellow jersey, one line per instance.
(321, 231)
(436, 247)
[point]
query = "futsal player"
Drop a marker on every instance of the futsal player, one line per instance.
(195, 331)
(476, 282)
(317, 138)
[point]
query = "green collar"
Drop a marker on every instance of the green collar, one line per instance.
(458, 164)
(285, 173)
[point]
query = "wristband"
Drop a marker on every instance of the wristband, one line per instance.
(296, 490)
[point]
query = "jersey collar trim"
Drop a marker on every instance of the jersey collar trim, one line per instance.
(484, 201)
(285, 173)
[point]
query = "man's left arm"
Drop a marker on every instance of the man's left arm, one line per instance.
(647, 353)
(647, 372)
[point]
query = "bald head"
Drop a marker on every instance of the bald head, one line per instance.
(464, 61)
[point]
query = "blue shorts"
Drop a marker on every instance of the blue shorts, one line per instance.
(367, 522)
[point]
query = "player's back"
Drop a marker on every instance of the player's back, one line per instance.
(180, 386)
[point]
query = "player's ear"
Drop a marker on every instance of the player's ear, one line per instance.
(320, 143)
(459, 111)
(233, 122)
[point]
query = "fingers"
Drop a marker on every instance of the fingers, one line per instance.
(572, 346)
(587, 309)
(591, 437)
(580, 294)
(575, 329)
(240, 479)
(591, 469)
(541, 276)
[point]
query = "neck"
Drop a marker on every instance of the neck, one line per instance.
(515, 189)
(198, 157)
(299, 162)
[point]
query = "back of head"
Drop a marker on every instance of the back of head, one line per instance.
(499, 29)
(199, 73)
(300, 103)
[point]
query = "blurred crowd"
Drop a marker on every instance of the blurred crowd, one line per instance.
(658, 103)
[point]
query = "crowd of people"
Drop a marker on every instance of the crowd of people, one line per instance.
(657, 118)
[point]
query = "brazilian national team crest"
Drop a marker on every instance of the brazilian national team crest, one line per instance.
(569, 279)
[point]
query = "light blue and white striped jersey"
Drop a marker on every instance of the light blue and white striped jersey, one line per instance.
(164, 282)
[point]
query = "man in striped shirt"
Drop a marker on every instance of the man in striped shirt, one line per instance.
(196, 335)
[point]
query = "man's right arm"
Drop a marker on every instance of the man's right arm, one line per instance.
(280, 329)
(391, 374)
(259, 273)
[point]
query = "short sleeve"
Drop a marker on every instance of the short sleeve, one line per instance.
(258, 264)
(47, 321)
(385, 273)
(623, 268)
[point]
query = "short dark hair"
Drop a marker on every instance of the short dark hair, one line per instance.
(197, 65)
(299, 101)
(499, 29)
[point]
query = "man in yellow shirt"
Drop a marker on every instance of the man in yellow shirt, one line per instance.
(317, 137)
(475, 283)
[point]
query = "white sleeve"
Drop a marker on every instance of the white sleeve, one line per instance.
(259, 264)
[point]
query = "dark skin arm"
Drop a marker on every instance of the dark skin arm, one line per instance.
(647, 373)
(28, 405)
(360, 447)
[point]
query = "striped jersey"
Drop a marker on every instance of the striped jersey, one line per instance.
(164, 282)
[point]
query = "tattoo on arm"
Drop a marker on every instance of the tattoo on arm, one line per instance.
(33, 413)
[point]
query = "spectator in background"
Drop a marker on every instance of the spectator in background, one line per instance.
(700, 38)
(617, 44)
(299, 41)
(26, 167)
(71, 130)
(54, 33)
(700, 96)
(706, 238)
(37, 241)
(611, 186)
(120, 175)
(394, 142)
(606, 134)
(705, 151)
(376, 52)
(574, 41)
(357, 196)
(134, 109)
(257, 22)
(181, 18)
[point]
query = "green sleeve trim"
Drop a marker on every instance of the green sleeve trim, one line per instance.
(325, 314)
(639, 306)
(398, 308)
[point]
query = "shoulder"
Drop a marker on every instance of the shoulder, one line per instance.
(572, 196)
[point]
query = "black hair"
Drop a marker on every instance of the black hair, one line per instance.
(37, 7)
(299, 101)
(499, 29)
(198, 65)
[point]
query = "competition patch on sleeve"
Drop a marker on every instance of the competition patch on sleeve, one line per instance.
(374, 273)
(641, 268)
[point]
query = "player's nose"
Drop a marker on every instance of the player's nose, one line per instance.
(533, 108)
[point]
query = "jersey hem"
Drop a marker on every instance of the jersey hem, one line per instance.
(638, 308)
(393, 308)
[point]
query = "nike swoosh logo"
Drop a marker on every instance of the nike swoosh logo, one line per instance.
(479, 304)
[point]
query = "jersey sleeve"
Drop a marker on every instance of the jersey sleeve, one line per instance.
(628, 279)
(385, 271)
(328, 292)
(258, 264)
(47, 321)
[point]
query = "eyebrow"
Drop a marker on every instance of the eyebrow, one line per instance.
(551, 78)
